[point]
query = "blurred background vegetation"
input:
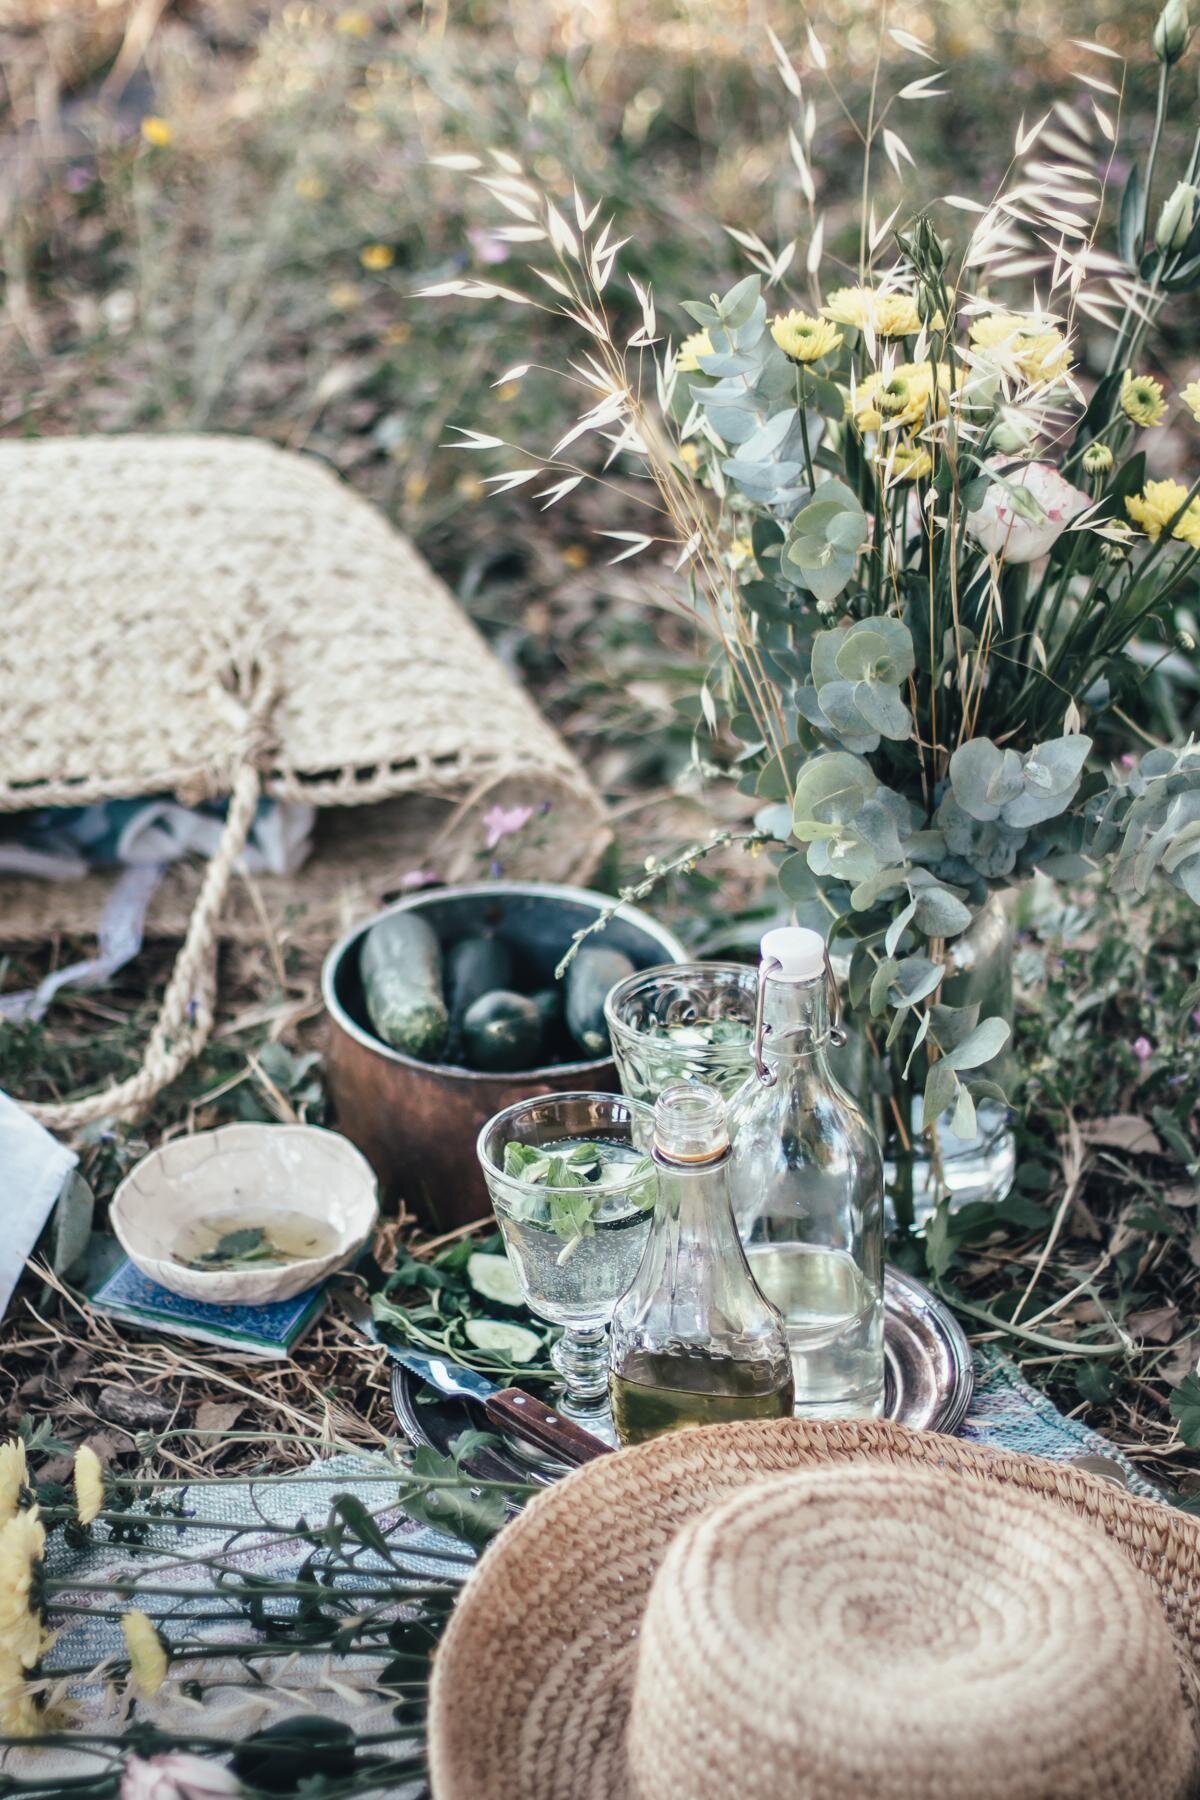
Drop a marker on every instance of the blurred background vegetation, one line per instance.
(213, 216)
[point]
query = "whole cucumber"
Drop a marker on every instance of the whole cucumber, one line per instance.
(401, 967)
(592, 973)
(475, 966)
(502, 1032)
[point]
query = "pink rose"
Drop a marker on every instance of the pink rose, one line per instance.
(1001, 528)
(176, 1775)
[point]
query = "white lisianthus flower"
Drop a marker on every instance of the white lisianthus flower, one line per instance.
(176, 1775)
(1022, 529)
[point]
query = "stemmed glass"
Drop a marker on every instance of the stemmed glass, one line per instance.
(575, 1235)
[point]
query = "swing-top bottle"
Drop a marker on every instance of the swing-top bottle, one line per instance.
(807, 1180)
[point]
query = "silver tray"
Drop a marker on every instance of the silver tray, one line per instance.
(928, 1382)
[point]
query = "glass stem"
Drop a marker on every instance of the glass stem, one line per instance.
(581, 1358)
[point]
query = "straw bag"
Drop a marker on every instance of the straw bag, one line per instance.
(218, 618)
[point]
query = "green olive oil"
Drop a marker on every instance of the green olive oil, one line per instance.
(647, 1397)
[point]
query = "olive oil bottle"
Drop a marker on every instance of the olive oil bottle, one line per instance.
(693, 1341)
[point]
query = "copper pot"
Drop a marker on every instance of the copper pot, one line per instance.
(417, 1122)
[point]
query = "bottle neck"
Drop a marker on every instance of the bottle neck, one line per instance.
(795, 1018)
(694, 1200)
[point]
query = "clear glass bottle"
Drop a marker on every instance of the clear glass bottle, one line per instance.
(693, 1341)
(807, 1179)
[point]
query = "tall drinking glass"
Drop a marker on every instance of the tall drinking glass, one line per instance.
(573, 1189)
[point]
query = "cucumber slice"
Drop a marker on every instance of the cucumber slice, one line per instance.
(513, 1341)
(495, 1278)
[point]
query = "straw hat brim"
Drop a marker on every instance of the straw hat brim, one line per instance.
(533, 1681)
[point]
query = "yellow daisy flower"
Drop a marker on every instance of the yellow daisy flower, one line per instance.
(902, 398)
(909, 462)
(14, 1477)
(1157, 504)
(20, 1715)
(803, 339)
(1190, 395)
(89, 1484)
(148, 1658)
(1142, 399)
(22, 1549)
(692, 348)
(377, 257)
(1036, 348)
(158, 132)
(888, 315)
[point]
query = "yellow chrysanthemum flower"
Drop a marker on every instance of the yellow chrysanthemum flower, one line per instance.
(1097, 459)
(888, 315)
(687, 359)
(89, 1484)
(803, 339)
(377, 257)
(14, 1477)
(22, 1548)
(19, 1712)
(1156, 506)
(1190, 395)
(1142, 399)
(148, 1659)
(902, 398)
(1036, 348)
(158, 132)
(909, 462)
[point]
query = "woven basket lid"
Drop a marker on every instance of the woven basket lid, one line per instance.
(790, 1611)
(143, 579)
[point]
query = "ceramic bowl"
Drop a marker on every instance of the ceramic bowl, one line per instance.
(258, 1170)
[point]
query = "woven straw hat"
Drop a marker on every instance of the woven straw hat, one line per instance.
(789, 1611)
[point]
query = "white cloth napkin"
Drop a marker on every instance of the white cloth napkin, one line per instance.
(33, 1168)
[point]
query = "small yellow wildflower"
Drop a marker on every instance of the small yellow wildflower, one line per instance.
(909, 462)
(690, 351)
(508, 390)
(902, 398)
(377, 257)
(353, 23)
(1190, 395)
(804, 339)
(22, 1548)
(689, 456)
(1097, 459)
(19, 1714)
(1142, 399)
(148, 1659)
(416, 487)
(470, 487)
(741, 552)
(888, 315)
(397, 334)
(1157, 504)
(1036, 348)
(310, 187)
(14, 1477)
(575, 556)
(345, 295)
(89, 1484)
(159, 132)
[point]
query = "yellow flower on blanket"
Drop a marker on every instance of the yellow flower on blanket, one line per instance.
(89, 1484)
(14, 1478)
(148, 1658)
(22, 1550)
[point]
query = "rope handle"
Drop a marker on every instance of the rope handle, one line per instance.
(185, 1018)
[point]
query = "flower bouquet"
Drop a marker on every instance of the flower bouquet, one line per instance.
(922, 538)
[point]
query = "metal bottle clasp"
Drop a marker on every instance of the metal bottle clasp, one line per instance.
(837, 1036)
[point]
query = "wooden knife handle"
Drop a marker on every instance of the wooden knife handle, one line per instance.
(526, 1417)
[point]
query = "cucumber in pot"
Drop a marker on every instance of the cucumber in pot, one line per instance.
(549, 1002)
(475, 966)
(502, 1032)
(401, 967)
(591, 974)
